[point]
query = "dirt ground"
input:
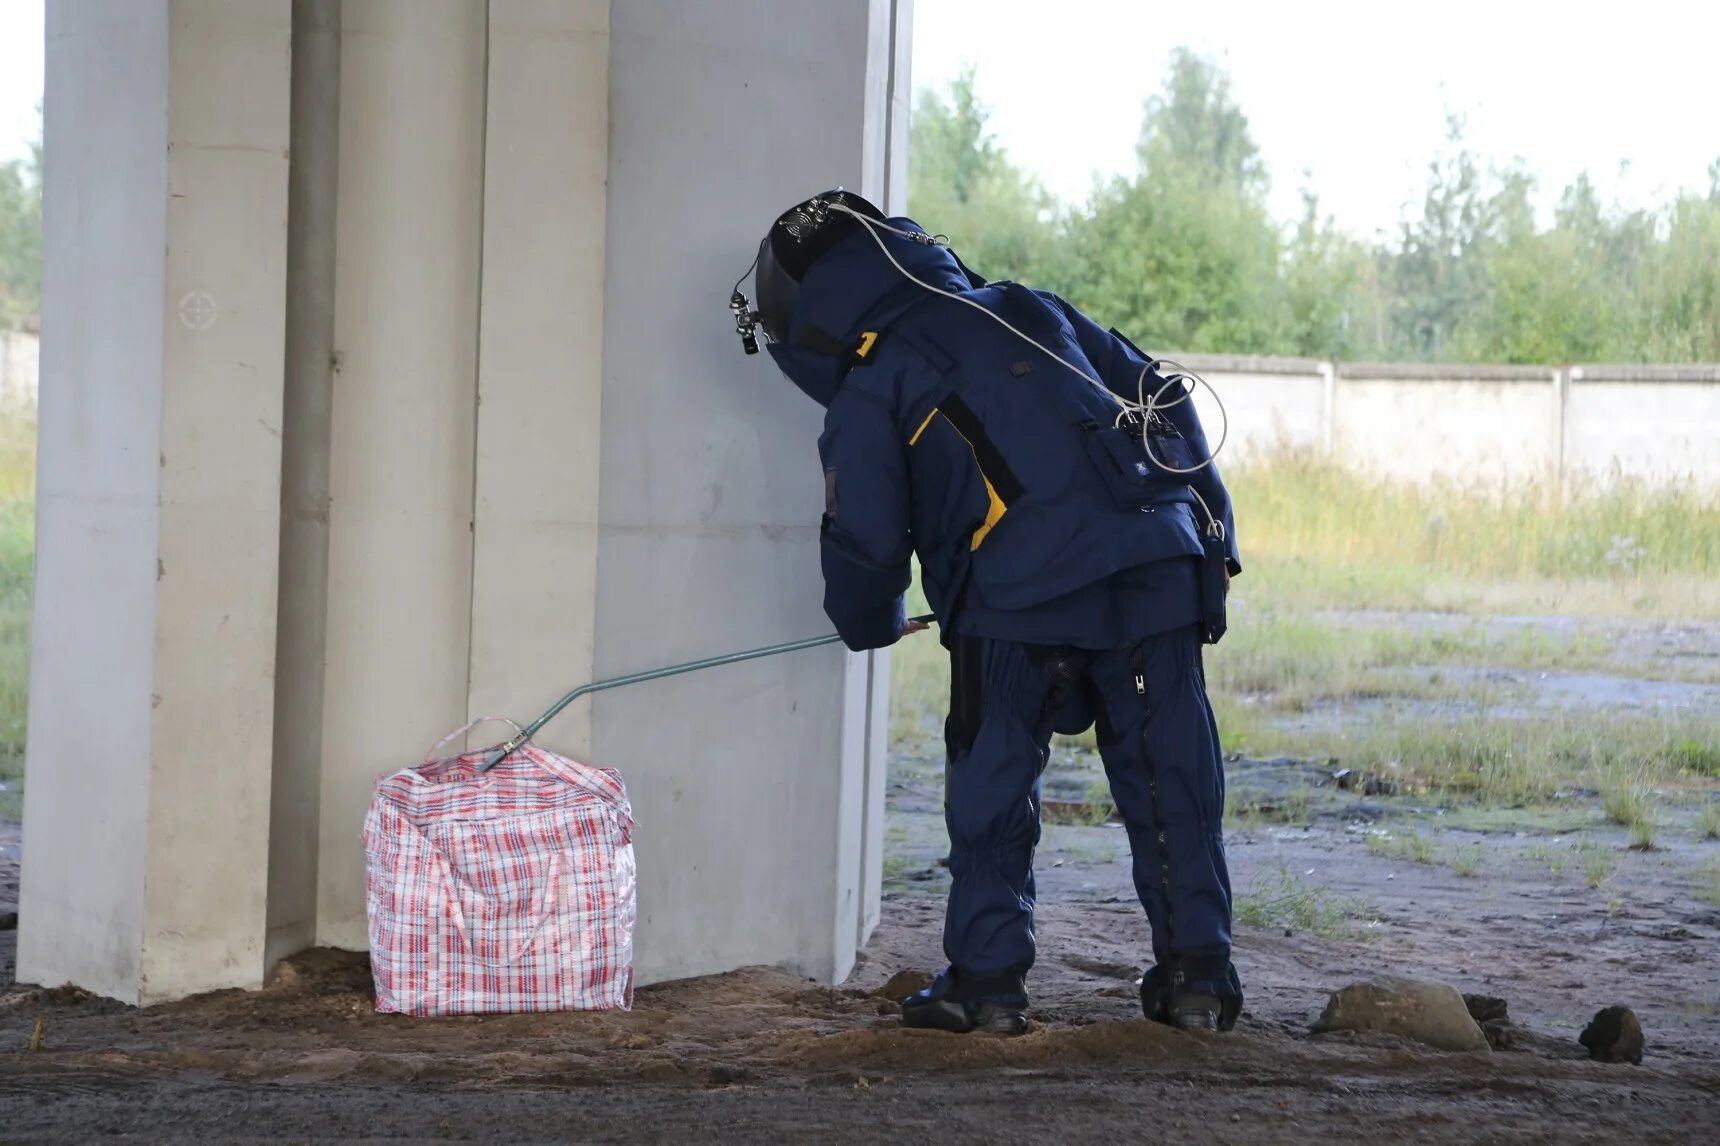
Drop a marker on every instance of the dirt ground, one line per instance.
(760, 1055)
(1546, 908)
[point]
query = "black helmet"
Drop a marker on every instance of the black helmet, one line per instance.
(799, 238)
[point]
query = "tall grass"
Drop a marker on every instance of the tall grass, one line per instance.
(17, 579)
(1501, 760)
(1316, 537)
(1295, 505)
(1317, 531)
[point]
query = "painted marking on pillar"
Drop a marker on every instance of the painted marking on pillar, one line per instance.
(197, 310)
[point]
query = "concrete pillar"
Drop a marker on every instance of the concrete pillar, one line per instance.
(153, 653)
(433, 409)
(748, 781)
(405, 408)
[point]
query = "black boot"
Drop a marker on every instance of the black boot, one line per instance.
(1196, 993)
(992, 1004)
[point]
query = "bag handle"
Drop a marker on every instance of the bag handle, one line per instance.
(431, 757)
(594, 781)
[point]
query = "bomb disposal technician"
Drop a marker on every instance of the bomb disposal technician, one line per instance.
(1076, 545)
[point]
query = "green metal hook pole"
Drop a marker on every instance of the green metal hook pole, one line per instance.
(502, 751)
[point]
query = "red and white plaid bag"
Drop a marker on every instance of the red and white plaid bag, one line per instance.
(500, 891)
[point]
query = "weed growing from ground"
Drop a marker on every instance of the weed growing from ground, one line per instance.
(1708, 819)
(1625, 803)
(1598, 862)
(1554, 858)
(1283, 899)
(1706, 885)
(1410, 845)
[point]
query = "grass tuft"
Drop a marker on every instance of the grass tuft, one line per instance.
(1696, 758)
(1708, 819)
(1284, 900)
(1625, 804)
(1705, 886)
(1553, 857)
(1410, 845)
(1598, 862)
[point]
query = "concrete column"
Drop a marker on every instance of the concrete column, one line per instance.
(147, 807)
(405, 405)
(748, 781)
(540, 374)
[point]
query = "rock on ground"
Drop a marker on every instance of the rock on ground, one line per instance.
(1614, 1035)
(1430, 1013)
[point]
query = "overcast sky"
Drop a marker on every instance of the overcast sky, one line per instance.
(20, 74)
(1355, 93)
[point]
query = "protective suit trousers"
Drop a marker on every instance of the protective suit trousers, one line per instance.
(1160, 748)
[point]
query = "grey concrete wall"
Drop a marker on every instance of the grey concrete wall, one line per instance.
(742, 777)
(1658, 423)
(1477, 424)
(1263, 403)
(20, 365)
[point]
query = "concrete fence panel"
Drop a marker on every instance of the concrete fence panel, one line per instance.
(1269, 402)
(1485, 425)
(20, 358)
(1656, 423)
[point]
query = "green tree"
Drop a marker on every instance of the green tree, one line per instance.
(21, 239)
(963, 185)
(1437, 278)
(1184, 256)
(1331, 291)
(1194, 130)
(1560, 295)
(1682, 281)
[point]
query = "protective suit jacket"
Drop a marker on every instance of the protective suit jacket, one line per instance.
(948, 437)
